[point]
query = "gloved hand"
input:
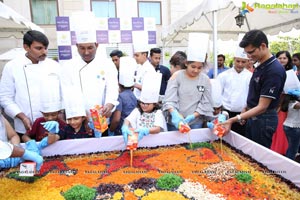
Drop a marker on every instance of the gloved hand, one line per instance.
(43, 143)
(35, 157)
(97, 133)
(10, 162)
(31, 145)
(110, 133)
(189, 118)
(210, 125)
(294, 92)
(51, 126)
(125, 132)
(142, 132)
(221, 118)
(91, 124)
(176, 118)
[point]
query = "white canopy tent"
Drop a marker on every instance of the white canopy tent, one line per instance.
(14, 24)
(217, 17)
(12, 28)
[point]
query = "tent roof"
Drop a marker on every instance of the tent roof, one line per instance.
(200, 20)
(14, 24)
(11, 54)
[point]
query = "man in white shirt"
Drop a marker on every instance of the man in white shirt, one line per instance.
(144, 67)
(91, 74)
(234, 86)
(21, 80)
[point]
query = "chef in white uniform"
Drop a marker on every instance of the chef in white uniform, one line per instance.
(141, 50)
(21, 81)
(93, 75)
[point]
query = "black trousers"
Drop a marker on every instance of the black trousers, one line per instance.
(236, 127)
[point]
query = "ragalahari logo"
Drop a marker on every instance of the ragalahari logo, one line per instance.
(275, 8)
(246, 8)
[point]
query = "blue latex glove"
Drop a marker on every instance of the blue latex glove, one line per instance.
(142, 132)
(10, 162)
(31, 145)
(176, 118)
(125, 132)
(294, 92)
(35, 157)
(189, 118)
(110, 133)
(97, 133)
(210, 125)
(91, 124)
(51, 126)
(43, 143)
(221, 118)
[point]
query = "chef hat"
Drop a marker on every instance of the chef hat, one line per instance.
(84, 26)
(74, 104)
(197, 47)
(291, 82)
(151, 87)
(140, 41)
(216, 93)
(50, 96)
(127, 69)
(240, 53)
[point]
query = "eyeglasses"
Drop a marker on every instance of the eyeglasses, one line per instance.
(251, 52)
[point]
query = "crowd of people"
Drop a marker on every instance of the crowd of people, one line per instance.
(51, 101)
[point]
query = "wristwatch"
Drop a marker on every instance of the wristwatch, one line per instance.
(239, 118)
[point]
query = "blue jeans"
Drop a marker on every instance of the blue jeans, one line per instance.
(293, 137)
(171, 127)
(261, 128)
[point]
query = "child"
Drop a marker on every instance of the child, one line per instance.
(127, 100)
(38, 132)
(77, 123)
(147, 117)
(50, 109)
(291, 125)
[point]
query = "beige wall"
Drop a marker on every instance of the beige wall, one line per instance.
(171, 11)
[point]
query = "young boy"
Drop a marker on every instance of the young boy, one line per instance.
(127, 100)
(50, 109)
(77, 123)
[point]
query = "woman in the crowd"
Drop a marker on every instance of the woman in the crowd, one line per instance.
(279, 141)
(178, 61)
(285, 58)
(296, 63)
(188, 96)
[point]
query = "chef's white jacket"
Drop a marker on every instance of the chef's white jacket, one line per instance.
(21, 84)
(235, 87)
(97, 80)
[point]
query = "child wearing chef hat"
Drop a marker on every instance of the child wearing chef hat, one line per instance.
(146, 117)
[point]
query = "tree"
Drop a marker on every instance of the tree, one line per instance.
(286, 43)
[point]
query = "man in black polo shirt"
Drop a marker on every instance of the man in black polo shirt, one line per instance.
(265, 88)
(155, 55)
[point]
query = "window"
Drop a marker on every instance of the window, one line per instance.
(104, 8)
(44, 11)
(150, 9)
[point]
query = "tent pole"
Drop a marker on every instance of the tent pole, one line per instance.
(215, 45)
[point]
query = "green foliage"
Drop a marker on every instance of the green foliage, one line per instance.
(169, 181)
(26, 179)
(243, 177)
(80, 192)
(201, 145)
(286, 43)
